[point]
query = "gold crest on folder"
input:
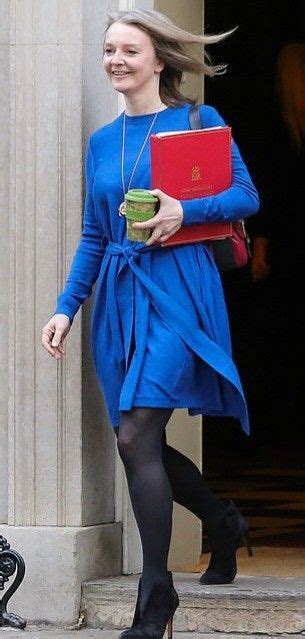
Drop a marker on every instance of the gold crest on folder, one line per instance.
(196, 175)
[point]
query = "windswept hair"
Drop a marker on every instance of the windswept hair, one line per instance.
(171, 47)
(291, 85)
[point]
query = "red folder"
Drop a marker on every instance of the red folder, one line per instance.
(193, 164)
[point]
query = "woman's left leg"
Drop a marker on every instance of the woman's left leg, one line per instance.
(190, 489)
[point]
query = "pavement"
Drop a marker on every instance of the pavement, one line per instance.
(91, 633)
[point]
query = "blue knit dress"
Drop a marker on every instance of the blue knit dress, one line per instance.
(159, 327)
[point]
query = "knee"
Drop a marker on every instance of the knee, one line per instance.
(139, 436)
(128, 447)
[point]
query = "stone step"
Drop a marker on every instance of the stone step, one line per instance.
(34, 632)
(249, 606)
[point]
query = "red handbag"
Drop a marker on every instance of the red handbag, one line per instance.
(233, 251)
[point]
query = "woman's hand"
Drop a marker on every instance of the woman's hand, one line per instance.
(54, 333)
(166, 222)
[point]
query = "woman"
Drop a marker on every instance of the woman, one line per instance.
(146, 361)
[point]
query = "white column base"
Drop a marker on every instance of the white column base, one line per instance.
(57, 561)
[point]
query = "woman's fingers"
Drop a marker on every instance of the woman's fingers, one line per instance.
(166, 222)
(46, 342)
(155, 237)
(53, 334)
(149, 224)
(159, 236)
(46, 338)
(57, 337)
(59, 351)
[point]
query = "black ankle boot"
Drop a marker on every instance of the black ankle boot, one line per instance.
(136, 616)
(158, 612)
(224, 542)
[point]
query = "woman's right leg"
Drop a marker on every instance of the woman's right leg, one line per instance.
(139, 440)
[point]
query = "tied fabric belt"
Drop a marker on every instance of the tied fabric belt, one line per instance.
(130, 252)
(171, 312)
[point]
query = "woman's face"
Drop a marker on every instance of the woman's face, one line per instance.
(130, 60)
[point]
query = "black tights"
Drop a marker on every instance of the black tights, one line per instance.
(189, 488)
(139, 441)
(156, 475)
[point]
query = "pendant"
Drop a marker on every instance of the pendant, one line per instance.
(122, 209)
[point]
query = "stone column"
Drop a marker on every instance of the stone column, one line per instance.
(4, 250)
(59, 507)
(185, 433)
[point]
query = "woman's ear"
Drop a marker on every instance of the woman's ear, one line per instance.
(159, 66)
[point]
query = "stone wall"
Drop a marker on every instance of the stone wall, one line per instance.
(57, 471)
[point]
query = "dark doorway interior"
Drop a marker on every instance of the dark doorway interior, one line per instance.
(264, 472)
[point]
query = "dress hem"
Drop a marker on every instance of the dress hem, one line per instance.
(155, 402)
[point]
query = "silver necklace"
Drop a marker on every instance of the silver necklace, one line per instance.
(122, 206)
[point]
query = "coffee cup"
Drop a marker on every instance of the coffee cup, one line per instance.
(140, 206)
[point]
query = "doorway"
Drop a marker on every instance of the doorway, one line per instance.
(263, 473)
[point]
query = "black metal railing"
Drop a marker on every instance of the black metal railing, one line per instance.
(10, 560)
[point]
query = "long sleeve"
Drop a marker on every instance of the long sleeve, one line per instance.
(239, 201)
(88, 256)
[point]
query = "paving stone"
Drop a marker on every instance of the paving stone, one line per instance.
(248, 606)
(91, 633)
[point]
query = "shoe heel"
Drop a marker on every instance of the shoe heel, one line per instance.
(170, 628)
(248, 546)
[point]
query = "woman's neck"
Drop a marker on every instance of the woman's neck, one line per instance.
(139, 105)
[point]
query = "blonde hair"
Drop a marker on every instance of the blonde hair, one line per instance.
(170, 43)
(291, 85)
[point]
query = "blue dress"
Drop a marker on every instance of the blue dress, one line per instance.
(159, 326)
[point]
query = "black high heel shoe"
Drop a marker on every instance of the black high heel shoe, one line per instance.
(136, 616)
(157, 614)
(231, 534)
